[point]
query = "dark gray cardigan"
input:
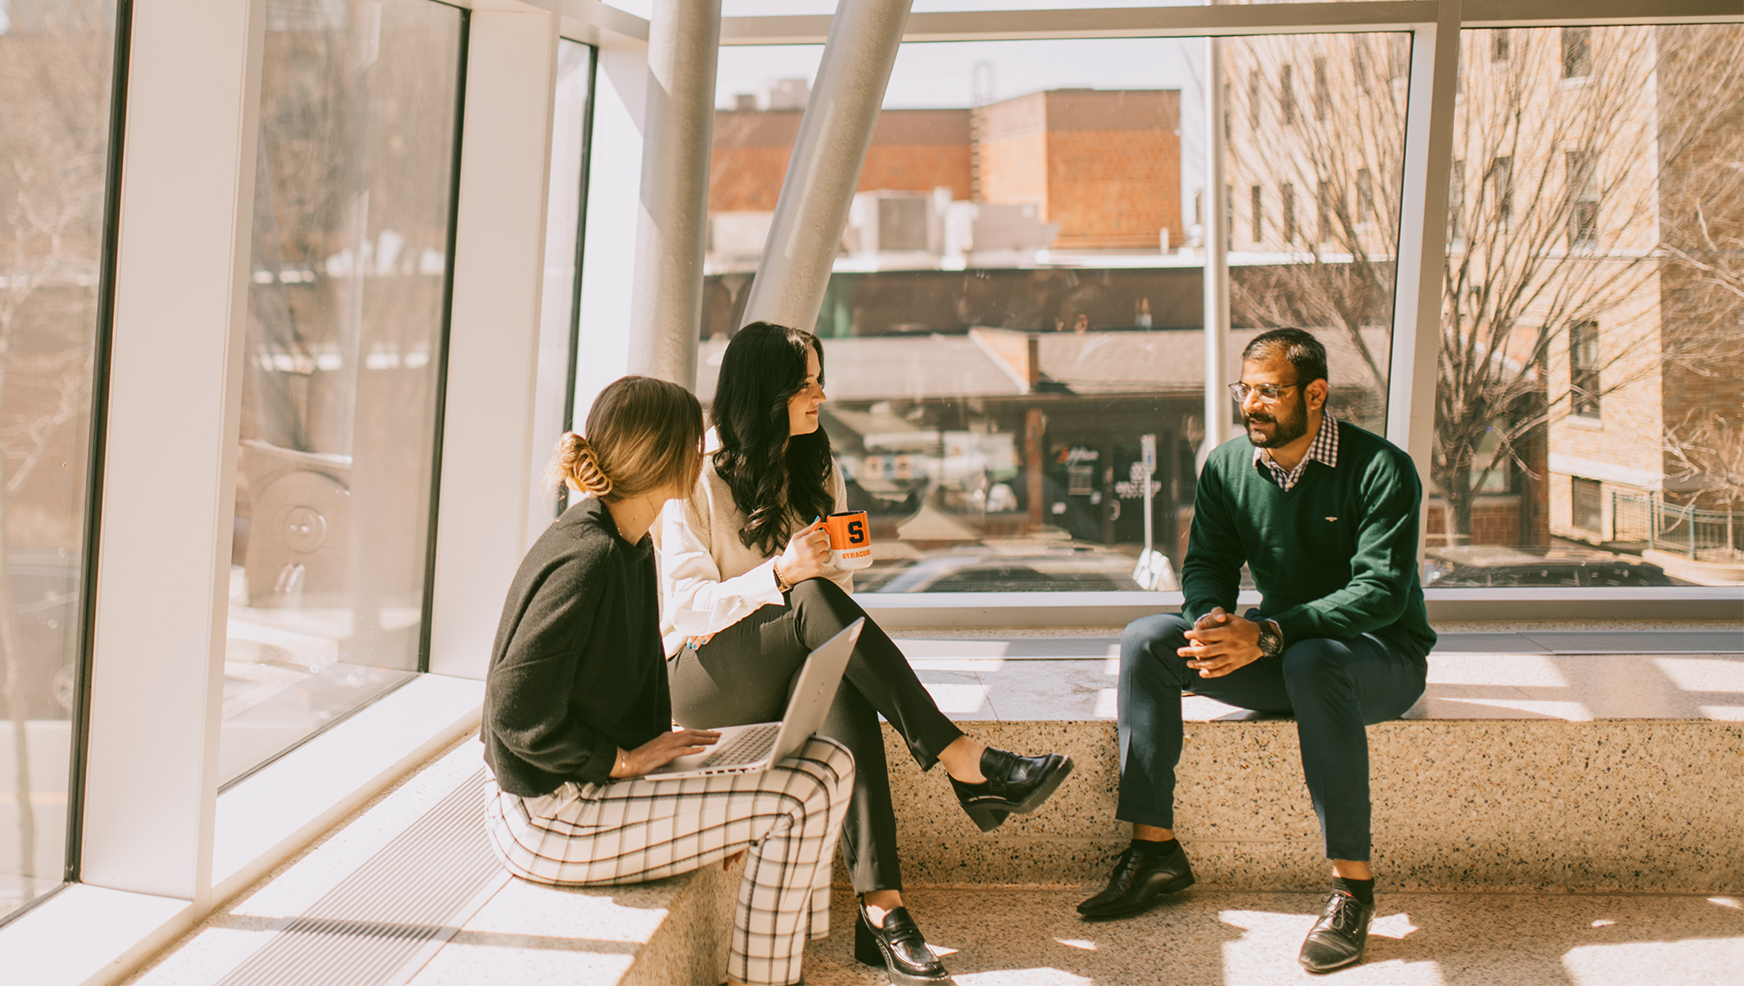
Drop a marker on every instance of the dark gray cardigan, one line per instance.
(577, 669)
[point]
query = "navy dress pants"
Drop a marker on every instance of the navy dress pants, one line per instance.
(1334, 688)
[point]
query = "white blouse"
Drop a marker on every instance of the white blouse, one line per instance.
(709, 579)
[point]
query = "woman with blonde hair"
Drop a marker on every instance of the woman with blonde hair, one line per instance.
(749, 589)
(577, 709)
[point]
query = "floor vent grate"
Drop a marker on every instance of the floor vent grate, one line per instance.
(384, 921)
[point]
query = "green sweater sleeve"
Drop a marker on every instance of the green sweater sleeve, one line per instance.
(1383, 568)
(1211, 573)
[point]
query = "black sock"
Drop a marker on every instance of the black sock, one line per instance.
(1362, 890)
(1156, 847)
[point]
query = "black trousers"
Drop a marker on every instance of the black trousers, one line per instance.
(1334, 688)
(744, 673)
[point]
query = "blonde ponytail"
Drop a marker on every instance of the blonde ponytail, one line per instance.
(642, 434)
(578, 463)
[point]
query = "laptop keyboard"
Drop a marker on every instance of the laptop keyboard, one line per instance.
(751, 744)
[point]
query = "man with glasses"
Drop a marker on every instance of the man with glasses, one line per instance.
(1325, 516)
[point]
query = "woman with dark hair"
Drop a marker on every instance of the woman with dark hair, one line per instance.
(748, 590)
(577, 709)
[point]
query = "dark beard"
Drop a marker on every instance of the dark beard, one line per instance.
(1288, 428)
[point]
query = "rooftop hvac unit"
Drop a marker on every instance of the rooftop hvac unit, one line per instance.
(897, 222)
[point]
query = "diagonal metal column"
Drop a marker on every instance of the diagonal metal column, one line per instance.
(1214, 222)
(826, 163)
(684, 39)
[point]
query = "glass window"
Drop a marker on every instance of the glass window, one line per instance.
(1583, 199)
(1589, 508)
(1287, 94)
(1577, 52)
(55, 80)
(1583, 368)
(345, 352)
(991, 389)
(1636, 167)
(1322, 93)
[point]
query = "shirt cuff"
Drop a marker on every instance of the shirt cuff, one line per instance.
(763, 589)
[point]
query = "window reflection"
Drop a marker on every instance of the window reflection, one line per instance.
(349, 260)
(55, 79)
(1017, 301)
(1592, 357)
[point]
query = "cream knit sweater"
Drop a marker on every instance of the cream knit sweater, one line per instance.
(709, 579)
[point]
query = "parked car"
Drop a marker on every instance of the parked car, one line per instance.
(1480, 567)
(978, 568)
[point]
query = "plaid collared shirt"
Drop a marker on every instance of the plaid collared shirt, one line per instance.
(1324, 448)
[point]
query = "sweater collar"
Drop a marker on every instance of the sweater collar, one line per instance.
(1324, 449)
(591, 511)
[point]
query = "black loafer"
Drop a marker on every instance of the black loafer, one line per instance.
(1341, 934)
(1014, 786)
(1139, 878)
(899, 947)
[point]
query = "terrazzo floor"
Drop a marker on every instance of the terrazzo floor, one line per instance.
(998, 937)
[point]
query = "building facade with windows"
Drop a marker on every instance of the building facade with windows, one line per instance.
(1586, 329)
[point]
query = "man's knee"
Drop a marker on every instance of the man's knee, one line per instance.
(1313, 664)
(1161, 634)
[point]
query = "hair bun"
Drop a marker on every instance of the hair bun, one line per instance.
(580, 463)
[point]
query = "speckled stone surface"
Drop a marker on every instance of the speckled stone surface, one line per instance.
(1524, 805)
(992, 937)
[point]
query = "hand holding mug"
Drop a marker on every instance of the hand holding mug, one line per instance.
(806, 555)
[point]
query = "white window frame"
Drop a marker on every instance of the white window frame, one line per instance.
(161, 846)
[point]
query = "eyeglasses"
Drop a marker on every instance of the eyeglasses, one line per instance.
(1268, 392)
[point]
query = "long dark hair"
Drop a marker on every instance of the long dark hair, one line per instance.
(771, 474)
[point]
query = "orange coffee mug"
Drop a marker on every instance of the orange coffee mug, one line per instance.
(850, 539)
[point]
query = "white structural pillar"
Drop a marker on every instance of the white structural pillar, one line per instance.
(1214, 222)
(827, 159)
(493, 339)
(684, 39)
(175, 398)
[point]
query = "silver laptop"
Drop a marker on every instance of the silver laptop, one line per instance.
(746, 749)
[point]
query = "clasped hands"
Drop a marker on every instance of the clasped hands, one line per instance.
(1221, 642)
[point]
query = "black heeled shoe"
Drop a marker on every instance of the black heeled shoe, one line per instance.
(899, 947)
(1014, 786)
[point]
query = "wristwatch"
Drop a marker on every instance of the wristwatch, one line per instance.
(1271, 638)
(781, 584)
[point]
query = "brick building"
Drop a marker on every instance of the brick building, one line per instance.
(1103, 165)
(1582, 340)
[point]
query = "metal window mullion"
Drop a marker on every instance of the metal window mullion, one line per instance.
(493, 331)
(99, 421)
(1423, 238)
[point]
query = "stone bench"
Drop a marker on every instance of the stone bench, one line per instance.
(1526, 766)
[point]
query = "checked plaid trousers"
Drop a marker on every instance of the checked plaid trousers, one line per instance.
(639, 829)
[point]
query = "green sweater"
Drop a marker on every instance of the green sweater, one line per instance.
(1336, 556)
